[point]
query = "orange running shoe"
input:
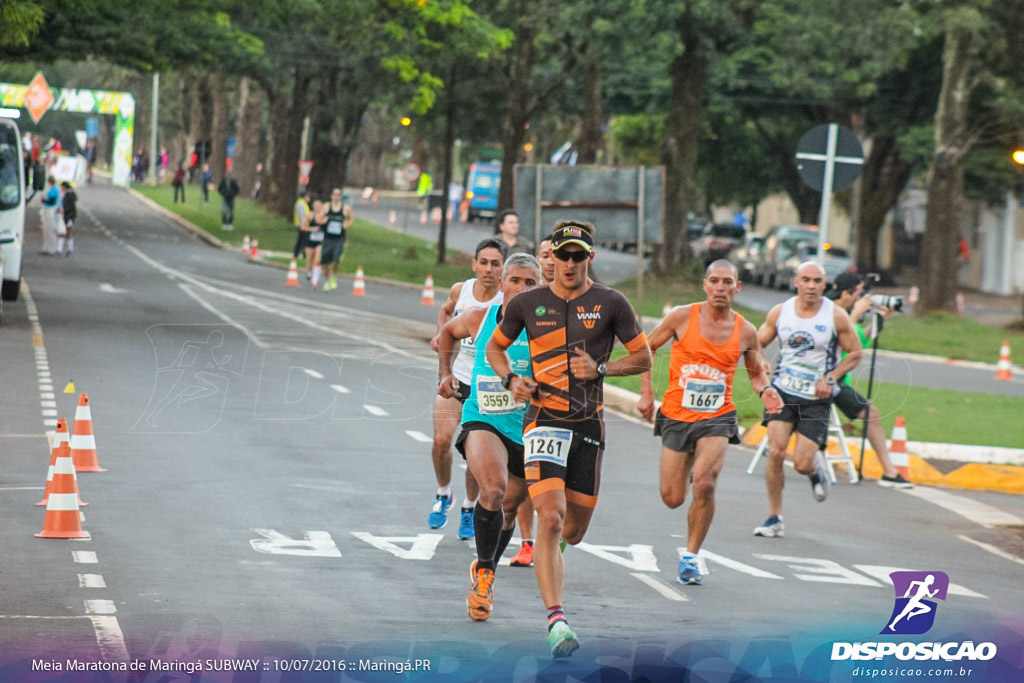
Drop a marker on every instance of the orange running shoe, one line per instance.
(525, 556)
(480, 598)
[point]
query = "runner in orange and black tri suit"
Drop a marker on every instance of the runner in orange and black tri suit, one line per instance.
(697, 418)
(571, 325)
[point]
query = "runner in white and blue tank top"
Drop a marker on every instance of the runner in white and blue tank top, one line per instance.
(492, 428)
(810, 330)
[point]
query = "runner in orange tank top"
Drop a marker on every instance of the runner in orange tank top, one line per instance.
(697, 419)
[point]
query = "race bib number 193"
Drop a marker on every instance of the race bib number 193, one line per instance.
(547, 444)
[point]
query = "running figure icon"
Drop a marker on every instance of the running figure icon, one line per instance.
(916, 593)
(915, 606)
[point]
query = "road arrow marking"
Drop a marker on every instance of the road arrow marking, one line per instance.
(313, 544)
(423, 546)
(641, 557)
(108, 288)
(881, 573)
(825, 571)
(738, 566)
(660, 586)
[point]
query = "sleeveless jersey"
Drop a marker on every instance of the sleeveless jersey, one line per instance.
(807, 349)
(335, 228)
(488, 401)
(700, 373)
(462, 368)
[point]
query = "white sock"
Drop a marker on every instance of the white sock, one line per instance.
(60, 244)
(316, 275)
(71, 245)
(468, 504)
(444, 491)
(687, 555)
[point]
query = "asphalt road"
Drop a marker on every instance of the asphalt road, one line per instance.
(269, 480)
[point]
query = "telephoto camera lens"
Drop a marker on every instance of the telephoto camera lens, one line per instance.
(894, 303)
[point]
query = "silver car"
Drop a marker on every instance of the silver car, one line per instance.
(837, 260)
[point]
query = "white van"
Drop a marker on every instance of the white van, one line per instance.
(12, 207)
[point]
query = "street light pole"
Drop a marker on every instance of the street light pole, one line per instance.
(152, 129)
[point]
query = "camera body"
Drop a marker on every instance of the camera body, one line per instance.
(893, 303)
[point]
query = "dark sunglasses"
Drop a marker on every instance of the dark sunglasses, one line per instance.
(574, 256)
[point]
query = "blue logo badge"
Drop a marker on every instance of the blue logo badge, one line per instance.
(914, 612)
(820, 328)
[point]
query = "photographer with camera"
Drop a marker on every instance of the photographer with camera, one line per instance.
(852, 294)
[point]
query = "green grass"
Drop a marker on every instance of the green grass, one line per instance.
(937, 415)
(381, 252)
(939, 334)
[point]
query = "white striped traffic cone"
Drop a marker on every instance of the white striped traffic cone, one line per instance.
(427, 299)
(898, 448)
(245, 244)
(63, 518)
(293, 275)
(359, 286)
(83, 441)
(60, 437)
(1004, 371)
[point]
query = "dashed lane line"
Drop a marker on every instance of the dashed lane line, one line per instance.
(418, 436)
(374, 410)
(91, 581)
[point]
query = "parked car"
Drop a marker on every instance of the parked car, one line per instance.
(744, 257)
(694, 228)
(837, 260)
(717, 240)
(482, 183)
(12, 206)
(779, 244)
(7, 237)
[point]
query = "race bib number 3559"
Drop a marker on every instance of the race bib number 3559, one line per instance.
(493, 399)
(547, 444)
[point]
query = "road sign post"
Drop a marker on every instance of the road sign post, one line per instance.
(829, 158)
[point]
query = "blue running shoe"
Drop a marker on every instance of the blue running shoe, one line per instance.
(439, 513)
(689, 572)
(466, 531)
(562, 641)
(772, 528)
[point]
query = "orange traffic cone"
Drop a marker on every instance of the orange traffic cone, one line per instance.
(245, 245)
(1004, 371)
(898, 448)
(61, 437)
(359, 286)
(63, 518)
(83, 441)
(293, 275)
(666, 309)
(254, 253)
(428, 292)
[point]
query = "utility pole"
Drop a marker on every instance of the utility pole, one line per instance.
(152, 129)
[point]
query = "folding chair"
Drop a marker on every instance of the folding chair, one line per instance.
(835, 427)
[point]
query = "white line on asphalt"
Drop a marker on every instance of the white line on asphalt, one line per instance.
(110, 638)
(737, 565)
(49, 423)
(659, 586)
(992, 549)
(374, 410)
(979, 513)
(49, 412)
(48, 404)
(47, 395)
(91, 581)
(100, 607)
(418, 436)
(22, 488)
(224, 316)
(312, 373)
(84, 557)
(340, 389)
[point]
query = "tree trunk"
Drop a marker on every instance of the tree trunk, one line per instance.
(202, 114)
(689, 74)
(247, 139)
(288, 104)
(885, 175)
(219, 126)
(939, 249)
(523, 56)
(446, 172)
(589, 142)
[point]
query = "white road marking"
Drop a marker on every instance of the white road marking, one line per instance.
(48, 404)
(110, 638)
(111, 289)
(49, 412)
(419, 436)
(660, 586)
(423, 546)
(312, 373)
(313, 544)
(992, 549)
(882, 574)
(84, 557)
(100, 607)
(49, 423)
(47, 395)
(340, 389)
(374, 410)
(256, 341)
(979, 513)
(825, 571)
(738, 566)
(91, 581)
(641, 557)
(22, 488)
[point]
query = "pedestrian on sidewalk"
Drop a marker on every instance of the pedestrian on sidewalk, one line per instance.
(205, 178)
(228, 190)
(178, 182)
(69, 214)
(48, 217)
(508, 227)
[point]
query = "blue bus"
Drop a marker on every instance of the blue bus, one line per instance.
(482, 183)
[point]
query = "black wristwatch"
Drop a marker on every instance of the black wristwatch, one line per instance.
(830, 380)
(761, 393)
(507, 379)
(602, 369)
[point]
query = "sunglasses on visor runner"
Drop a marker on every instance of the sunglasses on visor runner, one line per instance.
(574, 256)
